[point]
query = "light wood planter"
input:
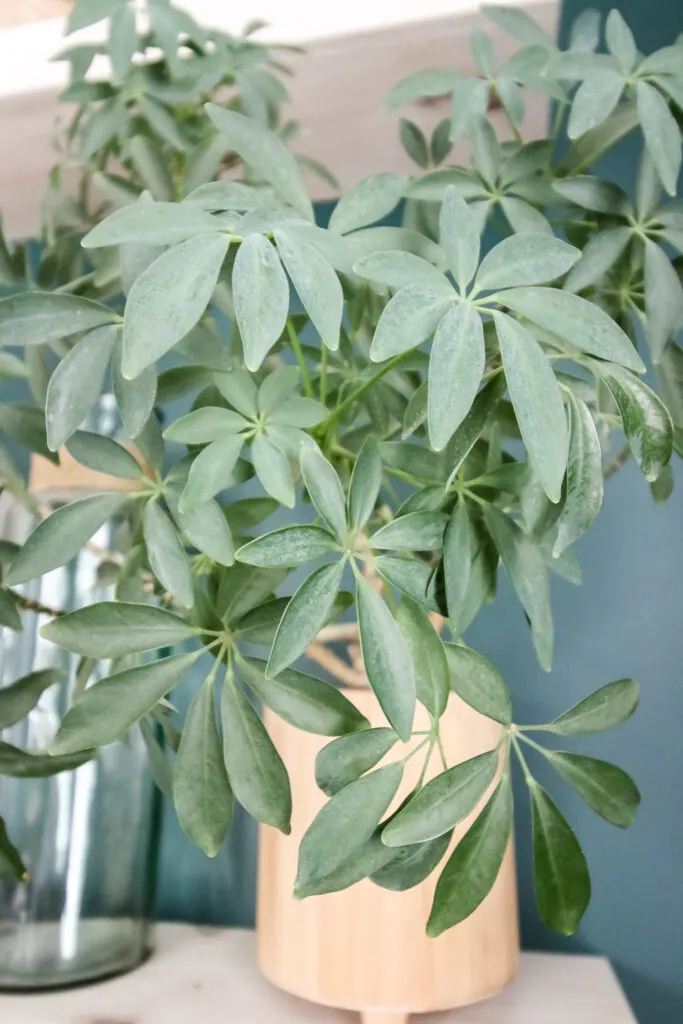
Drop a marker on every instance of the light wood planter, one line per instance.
(365, 948)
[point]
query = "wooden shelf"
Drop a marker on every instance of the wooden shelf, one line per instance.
(356, 52)
(209, 975)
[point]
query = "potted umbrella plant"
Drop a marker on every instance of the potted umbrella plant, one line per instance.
(431, 410)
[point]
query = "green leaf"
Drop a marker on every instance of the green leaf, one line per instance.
(104, 455)
(260, 297)
(585, 151)
(387, 659)
(416, 411)
(367, 858)
(584, 477)
(411, 576)
(149, 224)
(345, 823)
(537, 402)
(305, 616)
(273, 470)
(662, 134)
(324, 488)
(606, 708)
(166, 555)
(607, 789)
(478, 683)
(595, 100)
(525, 566)
(416, 531)
(265, 154)
(408, 319)
(645, 419)
(620, 41)
(202, 426)
(107, 710)
(211, 471)
(168, 299)
(302, 700)
(443, 802)
(470, 103)
(523, 260)
(123, 41)
(458, 354)
(473, 867)
(298, 412)
(429, 82)
(20, 764)
(516, 22)
(561, 879)
(12, 867)
(59, 538)
(457, 560)
(112, 629)
(523, 217)
(244, 588)
(600, 254)
(395, 269)
(207, 529)
(227, 195)
(316, 283)
(370, 200)
(441, 143)
(411, 865)
(578, 321)
(9, 614)
(414, 142)
(22, 696)
(38, 318)
(26, 425)
(592, 193)
(134, 398)
(366, 481)
(662, 488)
(258, 777)
(428, 657)
(288, 546)
(663, 298)
(459, 237)
(347, 758)
(163, 123)
(201, 791)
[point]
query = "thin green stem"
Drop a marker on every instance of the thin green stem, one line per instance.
(425, 766)
(359, 392)
(532, 743)
(323, 374)
(416, 750)
(440, 746)
(522, 760)
(301, 362)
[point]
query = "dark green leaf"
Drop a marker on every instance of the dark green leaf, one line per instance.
(107, 710)
(366, 481)
(412, 576)
(427, 653)
(645, 419)
(207, 529)
(607, 707)
(9, 614)
(414, 142)
(457, 559)
(201, 426)
(410, 865)
(561, 878)
(473, 866)
(302, 700)
(12, 867)
(258, 777)
(305, 615)
(607, 789)
(20, 764)
(22, 696)
(166, 555)
(111, 629)
(201, 790)
(134, 398)
(478, 683)
(324, 488)
(211, 471)
(347, 758)
(584, 477)
(104, 455)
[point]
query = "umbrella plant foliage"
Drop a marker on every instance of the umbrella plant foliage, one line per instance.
(435, 411)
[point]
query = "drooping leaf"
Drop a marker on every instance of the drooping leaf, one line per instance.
(112, 629)
(429, 82)
(561, 876)
(106, 711)
(578, 321)
(387, 659)
(366, 481)
(257, 775)
(606, 708)
(20, 764)
(347, 758)
(168, 299)
(260, 297)
(537, 402)
(302, 700)
(104, 455)
(646, 420)
(370, 200)
(38, 318)
(584, 477)
(201, 790)
(345, 823)
(473, 866)
(427, 653)
(288, 546)
(12, 867)
(607, 789)
(411, 865)
(458, 354)
(166, 555)
(22, 696)
(478, 683)
(305, 615)
(263, 151)
(59, 538)
(525, 566)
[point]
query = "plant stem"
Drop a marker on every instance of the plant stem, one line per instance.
(29, 605)
(428, 758)
(296, 346)
(323, 374)
(417, 749)
(522, 760)
(365, 386)
(533, 743)
(617, 462)
(442, 752)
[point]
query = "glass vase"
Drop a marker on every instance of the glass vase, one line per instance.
(87, 837)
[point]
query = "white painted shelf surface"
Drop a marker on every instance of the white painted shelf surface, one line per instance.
(209, 976)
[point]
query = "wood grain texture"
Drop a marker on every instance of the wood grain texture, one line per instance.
(209, 976)
(365, 948)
